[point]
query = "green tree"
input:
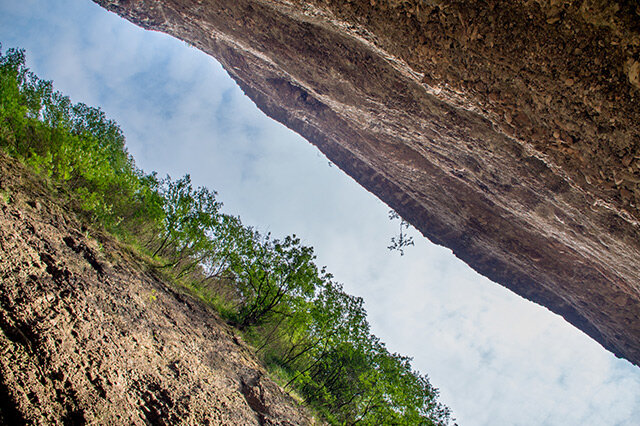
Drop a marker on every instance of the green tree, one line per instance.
(190, 215)
(272, 275)
(402, 240)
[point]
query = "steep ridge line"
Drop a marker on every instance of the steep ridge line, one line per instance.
(518, 149)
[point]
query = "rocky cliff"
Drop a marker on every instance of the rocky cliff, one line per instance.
(90, 334)
(507, 131)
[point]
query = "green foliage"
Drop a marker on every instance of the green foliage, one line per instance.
(402, 240)
(74, 144)
(273, 277)
(301, 321)
(5, 196)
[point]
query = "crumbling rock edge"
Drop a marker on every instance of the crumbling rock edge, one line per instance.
(507, 131)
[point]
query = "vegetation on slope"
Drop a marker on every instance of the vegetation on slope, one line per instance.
(301, 322)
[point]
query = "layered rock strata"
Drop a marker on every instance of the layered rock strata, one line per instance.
(507, 131)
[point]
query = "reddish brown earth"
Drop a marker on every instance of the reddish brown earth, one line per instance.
(90, 334)
(507, 131)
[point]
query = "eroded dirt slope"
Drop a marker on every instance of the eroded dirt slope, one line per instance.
(507, 131)
(88, 334)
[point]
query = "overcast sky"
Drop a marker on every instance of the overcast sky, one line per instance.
(496, 358)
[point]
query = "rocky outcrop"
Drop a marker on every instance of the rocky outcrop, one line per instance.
(507, 131)
(90, 334)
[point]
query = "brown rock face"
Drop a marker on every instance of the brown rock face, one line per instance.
(507, 131)
(88, 335)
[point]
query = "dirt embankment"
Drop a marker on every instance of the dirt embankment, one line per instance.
(89, 334)
(508, 131)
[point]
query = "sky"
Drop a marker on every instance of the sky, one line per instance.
(496, 358)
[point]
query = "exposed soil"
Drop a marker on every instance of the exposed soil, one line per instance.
(508, 131)
(90, 334)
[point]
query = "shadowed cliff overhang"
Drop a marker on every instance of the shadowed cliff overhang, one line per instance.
(507, 131)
